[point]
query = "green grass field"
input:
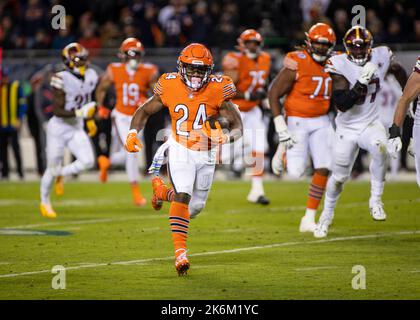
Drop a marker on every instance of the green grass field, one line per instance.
(114, 250)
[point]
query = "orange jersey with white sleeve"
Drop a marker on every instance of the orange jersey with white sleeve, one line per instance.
(253, 74)
(189, 109)
(131, 86)
(311, 91)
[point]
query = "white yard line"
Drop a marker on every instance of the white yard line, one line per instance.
(211, 253)
(87, 221)
(64, 203)
(160, 216)
(301, 208)
(316, 268)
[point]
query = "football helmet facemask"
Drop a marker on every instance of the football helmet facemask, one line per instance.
(195, 65)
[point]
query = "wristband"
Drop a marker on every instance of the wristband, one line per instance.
(394, 131)
(132, 131)
(280, 124)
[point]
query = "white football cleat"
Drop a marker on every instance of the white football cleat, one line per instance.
(307, 224)
(321, 230)
(377, 212)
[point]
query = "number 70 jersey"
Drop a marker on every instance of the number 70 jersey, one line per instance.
(189, 109)
(366, 110)
(311, 91)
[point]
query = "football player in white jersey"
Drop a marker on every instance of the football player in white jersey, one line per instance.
(72, 93)
(356, 78)
(410, 93)
(390, 92)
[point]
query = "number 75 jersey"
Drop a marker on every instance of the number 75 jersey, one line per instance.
(366, 110)
(190, 109)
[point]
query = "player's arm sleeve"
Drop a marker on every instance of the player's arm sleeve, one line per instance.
(344, 98)
(228, 90)
(158, 87)
(290, 62)
(57, 82)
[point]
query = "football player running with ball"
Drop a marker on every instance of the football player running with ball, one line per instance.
(356, 79)
(249, 69)
(308, 131)
(133, 80)
(192, 95)
(72, 93)
(410, 93)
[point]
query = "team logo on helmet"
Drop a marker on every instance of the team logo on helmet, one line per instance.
(358, 42)
(195, 64)
(75, 56)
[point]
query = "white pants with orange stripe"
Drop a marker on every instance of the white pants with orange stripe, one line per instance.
(313, 138)
(191, 172)
(118, 155)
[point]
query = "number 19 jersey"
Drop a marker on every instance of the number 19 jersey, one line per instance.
(131, 87)
(189, 109)
(366, 110)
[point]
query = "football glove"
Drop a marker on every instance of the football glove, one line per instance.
(215, 135)
(394, 144)
(410, 149)
(91, 127)
(103, 112)
(132, 143)
(277, 161)
(86, 111)
(284, 136)
(368, 71)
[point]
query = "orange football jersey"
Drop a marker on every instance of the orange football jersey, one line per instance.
(131, 88)
(253, 74)
(311, 92)
(189, 109)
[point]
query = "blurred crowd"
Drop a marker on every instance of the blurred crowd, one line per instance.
(26, 24)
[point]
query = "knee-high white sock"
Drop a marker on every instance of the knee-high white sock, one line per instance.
(376, 190)
(257, 186)
(377, 170)
(132, 167)
(73, 168)
(46, 184)
(333, 191)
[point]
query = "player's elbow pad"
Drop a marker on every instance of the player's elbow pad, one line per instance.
(345, 99)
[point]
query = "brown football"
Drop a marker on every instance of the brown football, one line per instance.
(224, 123)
